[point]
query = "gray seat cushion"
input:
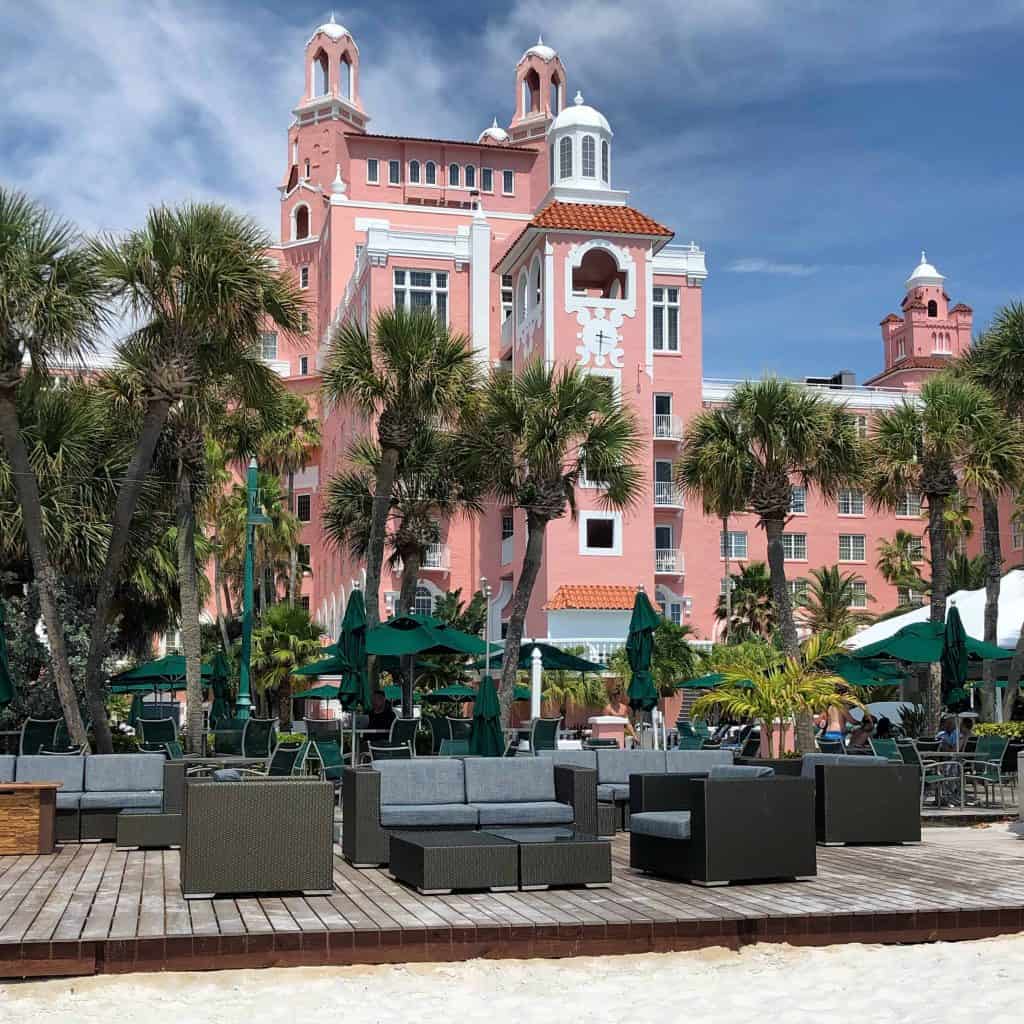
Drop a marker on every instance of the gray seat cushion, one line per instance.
(525, 812)
(428, 815)
(811, 760)
(112, 800)
(421, 780)
(618, 765)
(67, 769)
(124, 773)
(609, 792)
(492, 780)
(741, 771)
(580, 758)
(68, 801)
(663, 824)
(696, 760)
(7, 767)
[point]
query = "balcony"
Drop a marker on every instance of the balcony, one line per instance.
(667, 494)
(668, 562)
(436, 557)
(667, 427)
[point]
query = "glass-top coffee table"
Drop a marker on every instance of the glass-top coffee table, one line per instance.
(558, 856)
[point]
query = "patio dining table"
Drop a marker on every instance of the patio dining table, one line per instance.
(222, 761)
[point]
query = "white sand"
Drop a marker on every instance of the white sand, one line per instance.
(962, 982)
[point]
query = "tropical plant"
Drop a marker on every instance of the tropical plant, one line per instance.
(573, 689)
(967, 572)
(897, 558)
(408, 371)
(828, 606)
(197, 282)
(765, 686)
(465, 616)
(52, 310)
(674, 657)
(536, 434)
(749, 602)
(925, 448)
(285, 640)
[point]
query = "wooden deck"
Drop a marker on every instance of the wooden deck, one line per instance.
(92, 908)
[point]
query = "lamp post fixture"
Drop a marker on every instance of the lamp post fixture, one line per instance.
(253, 518)
(485, 589)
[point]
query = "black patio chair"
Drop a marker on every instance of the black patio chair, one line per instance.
(403, 730)
(259, 737)
(37, 733)
(389, 753)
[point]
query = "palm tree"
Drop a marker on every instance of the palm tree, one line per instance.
(896, 561)
(52, 310)
(747, 606)
(919, 448)
(285, 640)
(828, 605)
(715, 467)
(197, 281)
(407, 372)
(536, 434)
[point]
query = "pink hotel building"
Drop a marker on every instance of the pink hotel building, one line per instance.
(521, 240)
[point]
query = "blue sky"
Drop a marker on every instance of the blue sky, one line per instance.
(812, 148)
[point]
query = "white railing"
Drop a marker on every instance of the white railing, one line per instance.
(668, 560)
(435, 556)
(507, 550)
(507, 333)
(668, 427)
(280, 366)
(857, 396)
(601, 648)
(667, 494)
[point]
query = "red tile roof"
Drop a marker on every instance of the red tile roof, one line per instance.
(596, 597)
(913, 363)
(961, 307)
(616, 220)
(443, 142)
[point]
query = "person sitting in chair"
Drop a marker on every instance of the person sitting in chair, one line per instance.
(381, 713)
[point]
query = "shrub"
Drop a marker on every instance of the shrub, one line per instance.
(1012, 730)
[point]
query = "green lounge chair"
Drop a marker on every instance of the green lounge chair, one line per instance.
(332, 760)
(389, 753)
(157, 731)
(403, 730)
(986, 768)
(544, 734)
(933, 773)
(751, 746)
(451, 748)
(37, 733)
(285, 762)
(259, 737)
(460, 728)
(889, 749)
(689, 742)
(439, 730)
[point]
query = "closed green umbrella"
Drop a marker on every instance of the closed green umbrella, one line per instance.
(135, 711)
(6, 681)
(355, 680)
(639, 650)
(485, 739)
(954, 650)
(220, 674)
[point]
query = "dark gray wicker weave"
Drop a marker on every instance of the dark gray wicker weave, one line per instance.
(859, 803)
(438, 862)
(559, 856)
(142, 828)
(258, 836)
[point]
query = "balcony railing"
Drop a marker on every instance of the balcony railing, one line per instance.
(507, 333)
(667, 494)
(668, 427)
(668, 561)
(435, 557)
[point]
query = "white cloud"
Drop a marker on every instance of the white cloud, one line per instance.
(759, 265)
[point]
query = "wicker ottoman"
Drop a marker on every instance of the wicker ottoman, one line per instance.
(148, 828)
(435, 863)
(559, 856)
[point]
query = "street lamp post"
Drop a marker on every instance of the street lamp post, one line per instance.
(485, 589)
(253, 518)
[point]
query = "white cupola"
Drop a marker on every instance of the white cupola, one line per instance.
(580, 155)
(494, 134)
(924, 275)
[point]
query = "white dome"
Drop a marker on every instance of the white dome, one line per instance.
(494, 133)
(540, 49)
(333, 29)
(924, 274)
(579, 115)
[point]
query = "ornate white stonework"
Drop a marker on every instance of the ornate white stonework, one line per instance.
(600, 342)
(600, 317)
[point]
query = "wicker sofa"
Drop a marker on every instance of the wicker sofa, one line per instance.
(460, 793)
(736, 823)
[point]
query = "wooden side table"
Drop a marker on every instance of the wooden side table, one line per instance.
(27, 817)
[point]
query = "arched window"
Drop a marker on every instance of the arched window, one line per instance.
(589, 157)
(345, 78)
(470, 176)
(430, 172)
(424, 602)
(551, 164)
(536, 291)
(453, 174)
(321, 74)
(295, 151)
(604, 161)
(521, 289)
(556, 95)
(565, 158)
(598, 276)
(301, 222)
(414, 172)
(933, 308)
(531, 93)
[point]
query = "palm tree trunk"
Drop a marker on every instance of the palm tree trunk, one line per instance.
(27, 488)
(124, 510)
(383, 486)
(226, 590)
(188, 585)
(993, 579)
(284, 703)
(804, 733)
(218, 602)
(728, 578)
(411, 558)
(940, 588)
(293, 551)
(536, 528)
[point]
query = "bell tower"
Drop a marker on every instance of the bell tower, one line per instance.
(540, 93)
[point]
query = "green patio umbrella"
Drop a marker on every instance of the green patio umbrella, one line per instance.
(455, 692)
(333, 665)
(220, 675)
(954, 650)
(865, 672)
(485, 739)
(355, 680)
(521, 693)
(923, 643)
(143, 687)
(552, 659)
(639, 650)
(135, 711)
(324, 692)
(6, 682)
(169, 669)
(708, 682)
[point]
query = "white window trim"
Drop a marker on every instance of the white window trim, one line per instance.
(729, 546)
(856, 561)
(490, 171)
(852, 515)
(665, 305)
(407, 288)
(793, 511)
(504, 191)
(909, 515)
(395, 165)
(304, 274)
(616, 550)
(863, 586)
(375, 163)
(794, 558)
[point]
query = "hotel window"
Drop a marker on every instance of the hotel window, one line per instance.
(671, 610)
(565, 158)
(852, 547)
(797, 590)
(453, 174)
(862, 426)
(666, 319)
(414, 172)
(303, 277)
(487, 179)
(508, 183)
(797, 499)
(508, 527)
(506, 296)
(589, 154)
(303, 322)
(901, 349)
(600, 533)
(430, 172)
(851, 503)
(304, 602)
(604, 162)
(470, 176)
(915, 549)
(394, 172)
(909, 506)
(933, 308)
(372, 172)
(423, 604)
(906, 596)
(302, 508)
(423, 289)
(794, 547)
(268, 345)
(734, 542)
(302, 554)
(303, 365)
(859, 594)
